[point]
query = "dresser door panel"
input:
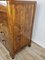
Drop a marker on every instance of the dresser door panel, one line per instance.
(23, 24)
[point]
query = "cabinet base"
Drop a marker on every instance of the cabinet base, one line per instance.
(12, 56)
(29, 45)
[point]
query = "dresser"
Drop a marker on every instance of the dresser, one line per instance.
(20, 18)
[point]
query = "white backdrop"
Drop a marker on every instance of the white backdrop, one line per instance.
(3, 3)
(38, 35)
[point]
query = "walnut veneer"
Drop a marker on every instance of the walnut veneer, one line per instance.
(18, 27)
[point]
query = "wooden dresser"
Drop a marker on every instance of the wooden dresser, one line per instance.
(18, 31)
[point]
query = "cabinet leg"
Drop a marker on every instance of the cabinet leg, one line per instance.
(29, 45)
(12, 56)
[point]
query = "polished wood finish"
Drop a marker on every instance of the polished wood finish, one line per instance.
(4, 29)
(2, 8)
(20, 17)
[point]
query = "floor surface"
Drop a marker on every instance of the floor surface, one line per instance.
(35, 52)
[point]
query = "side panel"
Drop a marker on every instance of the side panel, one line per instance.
(23, 23)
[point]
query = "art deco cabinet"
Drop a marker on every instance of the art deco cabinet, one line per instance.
(17, 25)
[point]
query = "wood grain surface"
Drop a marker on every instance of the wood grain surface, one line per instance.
(17, 23)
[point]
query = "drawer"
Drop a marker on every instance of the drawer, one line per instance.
(2, 38)
(6, 42)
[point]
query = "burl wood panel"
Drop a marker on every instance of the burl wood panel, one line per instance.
(23, 23)
(3, 24)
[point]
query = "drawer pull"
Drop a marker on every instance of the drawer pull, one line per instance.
(2, 33)
(3, 41)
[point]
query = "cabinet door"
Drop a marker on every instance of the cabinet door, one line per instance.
(19, 38)
(22, 22)
(26, 17)
(24, 14)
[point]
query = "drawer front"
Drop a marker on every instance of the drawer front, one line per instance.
(4, 38)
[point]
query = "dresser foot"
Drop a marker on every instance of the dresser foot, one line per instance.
(29, 45)
(12, 56)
